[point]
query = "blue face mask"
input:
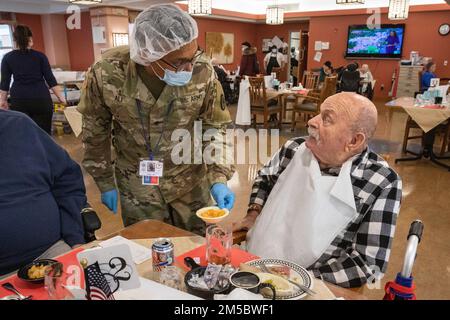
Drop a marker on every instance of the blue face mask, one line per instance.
(177, 79)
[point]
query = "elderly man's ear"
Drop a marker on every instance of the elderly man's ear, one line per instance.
(357, 144)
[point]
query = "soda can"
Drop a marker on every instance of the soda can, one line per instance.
(162, 254)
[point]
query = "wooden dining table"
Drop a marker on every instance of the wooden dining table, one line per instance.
(274, 94)
(148, 229)
(428, 118)
(282, 97)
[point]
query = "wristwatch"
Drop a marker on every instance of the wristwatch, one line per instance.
(254, 207)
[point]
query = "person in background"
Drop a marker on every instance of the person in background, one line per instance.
(325, 71)
(249, 62)
(284, 50)
(294, 65)
(42, 194)
(133, 99)
(222, 76)
(392, 42)
(328, 202)
(274, 59)
(366, 80)
(295, 56)
(32, 79)
(427, 75)
(350, 80)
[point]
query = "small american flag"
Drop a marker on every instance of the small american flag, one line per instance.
(96, 284)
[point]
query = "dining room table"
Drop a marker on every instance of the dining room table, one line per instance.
(145, 233)
(285, 96)
(243, 114)
(428, 117)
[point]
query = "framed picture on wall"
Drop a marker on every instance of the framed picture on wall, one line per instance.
(220, 46)
(266, 43)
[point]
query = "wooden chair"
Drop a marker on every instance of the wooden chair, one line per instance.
(310, 80)
(410, 124)
(443, 129)
(446, 139)
(310, 105)
(446, 134)
(259, 104)
(278, 72)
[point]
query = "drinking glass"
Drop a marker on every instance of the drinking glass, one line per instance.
(55, 280)
(219, 240)
(171, 276)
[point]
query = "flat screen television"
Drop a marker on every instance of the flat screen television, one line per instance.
(385, 42)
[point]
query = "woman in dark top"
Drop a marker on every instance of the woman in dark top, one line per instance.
(33, 77)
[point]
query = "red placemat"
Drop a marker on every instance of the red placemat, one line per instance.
(238, 256)
(37, 290)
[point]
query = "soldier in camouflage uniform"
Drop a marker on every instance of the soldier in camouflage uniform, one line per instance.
(112, 89)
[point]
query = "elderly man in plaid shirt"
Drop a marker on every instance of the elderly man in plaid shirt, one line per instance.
(328, 202)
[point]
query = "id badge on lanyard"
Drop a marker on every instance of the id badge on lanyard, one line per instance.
(149, 169)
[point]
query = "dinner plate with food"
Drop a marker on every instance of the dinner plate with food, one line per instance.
(34, 272)
(282, 275)
(212, 215)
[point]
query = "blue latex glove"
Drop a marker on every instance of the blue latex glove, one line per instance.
(110, 199)
(223, 196)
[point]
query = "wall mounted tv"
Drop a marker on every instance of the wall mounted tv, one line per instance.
(385, 42)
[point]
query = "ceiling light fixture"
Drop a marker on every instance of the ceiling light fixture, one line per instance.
(349, 1)
(120, 39)
(274, 15)
(398, 9)
(200, 7)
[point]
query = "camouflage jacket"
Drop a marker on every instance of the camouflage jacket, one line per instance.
(110, 115)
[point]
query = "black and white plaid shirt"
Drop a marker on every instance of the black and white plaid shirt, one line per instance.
(361, 252)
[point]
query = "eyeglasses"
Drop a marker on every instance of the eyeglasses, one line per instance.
(184, 65)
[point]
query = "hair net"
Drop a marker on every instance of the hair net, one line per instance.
(159, 30)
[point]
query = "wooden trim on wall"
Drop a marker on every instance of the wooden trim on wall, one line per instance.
(11, 22)
(132, 14)
(107, 12)
(7, 17)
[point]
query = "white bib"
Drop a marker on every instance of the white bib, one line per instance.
(305, 211)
